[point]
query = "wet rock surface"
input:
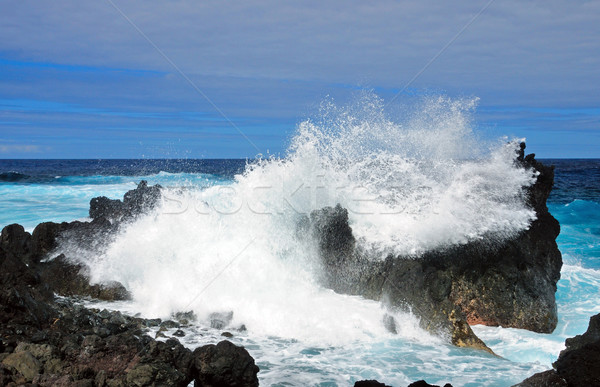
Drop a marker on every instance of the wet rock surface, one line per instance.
(577, 365)
(375, 383)
(510, 284)
(135, 202)
(209, 362)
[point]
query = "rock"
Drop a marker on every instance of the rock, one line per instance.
(23, 298)
(579, 362)
(544, 379)
(42, 352)
(72, 279)
(54, 366)
(155, 374)
(103, 207)
(389, 322)
(16, 241)
(48, 341)
(169, 324)
(24, 363)
(515, 284)
(141, 199)
(220, 320)
(337, 244)
(510, 284)
(224, 364)
(577, 365)
(135, 202)
(369, 383)
(179, 333)
(591, 336)
(45, 239)
(422, 383)
(185, 318)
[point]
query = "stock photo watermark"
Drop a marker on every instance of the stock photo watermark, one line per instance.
(299, 198)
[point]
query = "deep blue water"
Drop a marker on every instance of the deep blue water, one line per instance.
(45, 171)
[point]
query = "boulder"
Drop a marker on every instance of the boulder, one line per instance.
(220, 320)
(422, 383)
(103, 207)
(579, 362)
(16, 241)
(369, 383)
(141, 199)
(45, 239)
(577, 365)
(23, 297)
(544, 379)
(135, 202)
(72, 279)
(24, 363)
(224, 364)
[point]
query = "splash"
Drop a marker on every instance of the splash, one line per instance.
(409, 186)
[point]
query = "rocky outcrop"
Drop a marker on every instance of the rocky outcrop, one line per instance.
(577, 365)
(135, 202)
(54, 342)
(511, 284)
(239, 369)
(369, 383)
(422, 383)
(66, 275)
(375, 383)
(73, 279)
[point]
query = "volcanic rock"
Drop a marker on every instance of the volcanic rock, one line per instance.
(577, 365)
(511, 284)
(135, 202)
(224, 364)
(369, 383)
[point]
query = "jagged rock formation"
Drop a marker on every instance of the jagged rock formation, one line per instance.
(510, 285)
(135, 202)
(577, 365)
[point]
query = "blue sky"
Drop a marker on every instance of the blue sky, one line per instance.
(87, 79)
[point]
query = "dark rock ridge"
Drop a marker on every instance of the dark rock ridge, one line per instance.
(49, 341)
(135, 202)
(510, 284)
(375, 383)
(577, 365)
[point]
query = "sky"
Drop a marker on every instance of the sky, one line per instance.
(224, 79)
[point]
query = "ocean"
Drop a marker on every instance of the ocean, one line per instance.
(224, 239)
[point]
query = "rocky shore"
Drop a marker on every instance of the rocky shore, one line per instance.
(47, 340)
